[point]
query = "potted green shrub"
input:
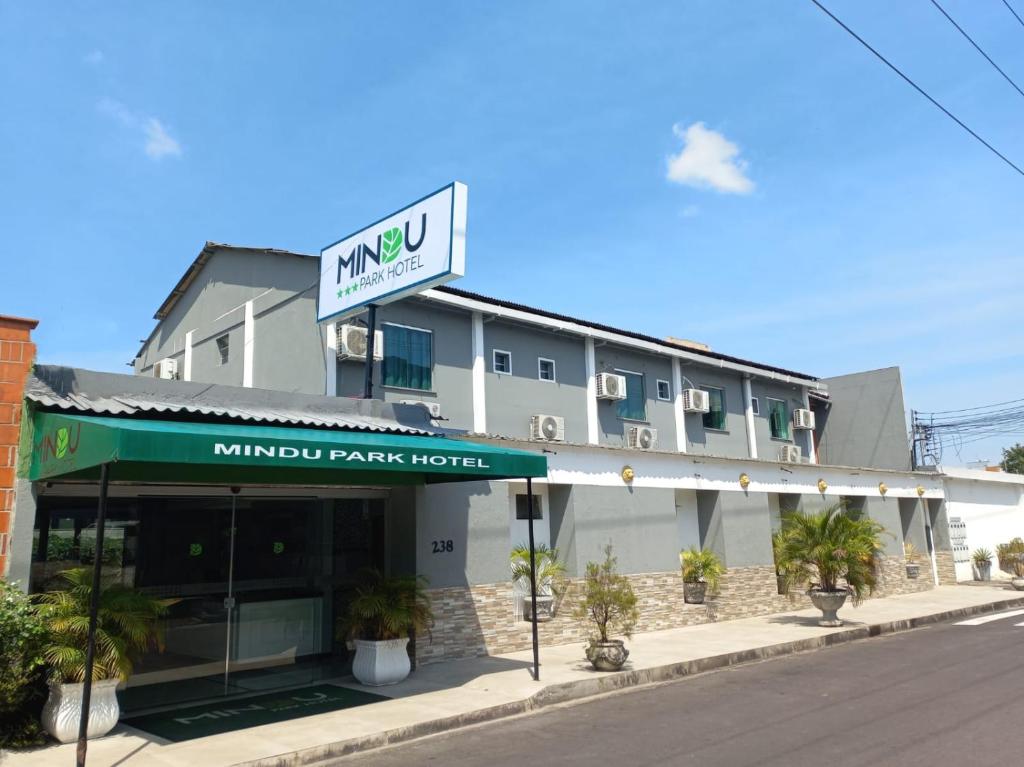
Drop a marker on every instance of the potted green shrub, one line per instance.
(831, 552)
(381, 616)
(22, 667)
(550, 579)
(913, 560)
(982, 559)
(609, 605)
(702, 572)
(127, 625)
(1011, 560)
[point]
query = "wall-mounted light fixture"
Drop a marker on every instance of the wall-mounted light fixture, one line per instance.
(920, 489)
(883, 488)
(744, 481)
(822, 486)
(628, 474)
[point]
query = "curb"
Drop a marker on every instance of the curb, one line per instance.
(321, 756)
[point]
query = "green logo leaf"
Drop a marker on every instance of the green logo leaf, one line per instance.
(62, 442)
(278, 547)
(391, 245)
(195, 549)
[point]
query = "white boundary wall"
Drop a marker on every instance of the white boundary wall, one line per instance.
(991, 504)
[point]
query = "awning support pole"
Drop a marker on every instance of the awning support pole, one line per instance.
(94, 609)
(533, 579)
(371, 327)
(229, 601)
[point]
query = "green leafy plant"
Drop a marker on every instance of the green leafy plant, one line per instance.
(982, 557)
(127, 625)
(550, 571)
(826, 549)
(388, 607)
(701, 566)
(391, 245)
(608, 600)
(1010, 554)
(1013, 459)
(22, 687)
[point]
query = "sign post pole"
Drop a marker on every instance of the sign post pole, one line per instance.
(371, 328)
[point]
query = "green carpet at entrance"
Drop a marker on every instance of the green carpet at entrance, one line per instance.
(227, 715)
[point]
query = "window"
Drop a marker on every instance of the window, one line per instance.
(523, 512)
(545, 369)
(715, 417)
(634, 407)
(223, 349)
(501, 362)
(755, 406)
(408, 357)
(664, 391)
(778, 418)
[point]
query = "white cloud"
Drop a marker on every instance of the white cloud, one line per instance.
(158, 143)
(93, 57)
(708, 160)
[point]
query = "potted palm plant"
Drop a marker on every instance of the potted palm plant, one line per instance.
(383, 612)
(609, 604)
(831, 552)
(982, 559)
(702, 571)
(913, 560)
(550, 579)
(127, 625)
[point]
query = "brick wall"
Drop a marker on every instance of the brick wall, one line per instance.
(480, 620)
(946, 566)
(16, 354)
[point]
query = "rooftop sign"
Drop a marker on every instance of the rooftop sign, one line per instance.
(418, 247)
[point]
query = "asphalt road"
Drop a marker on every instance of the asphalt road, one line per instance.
(943, 695)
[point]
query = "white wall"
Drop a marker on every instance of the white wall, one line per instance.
(992, 508)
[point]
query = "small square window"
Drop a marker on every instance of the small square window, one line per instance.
(664, 391)
(755, 406)
(523, 512)
(502, 362)
(223, 348)
(545, 369)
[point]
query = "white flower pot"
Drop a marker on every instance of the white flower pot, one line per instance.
(63, 709)
(381, 663)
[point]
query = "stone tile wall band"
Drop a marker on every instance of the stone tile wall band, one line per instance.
(479, 620)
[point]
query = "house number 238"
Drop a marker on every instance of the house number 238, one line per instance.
(443, 547)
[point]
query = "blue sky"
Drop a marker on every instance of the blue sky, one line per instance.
(742, 173)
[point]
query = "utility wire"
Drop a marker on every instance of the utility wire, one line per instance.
(1010, 9)
(918, 88)
(978, 48)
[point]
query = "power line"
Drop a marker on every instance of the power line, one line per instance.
(978, 48)
(980, 407)
(918, 88)
(1010, 9)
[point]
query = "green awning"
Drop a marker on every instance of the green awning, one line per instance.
(74, 447)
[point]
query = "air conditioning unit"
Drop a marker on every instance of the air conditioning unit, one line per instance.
(789, 454)
(549, 427)
(434, 408)
(611, 386)
(696, 401)
(166, 368)
(803, 418)
(352, 343)
(642, 437)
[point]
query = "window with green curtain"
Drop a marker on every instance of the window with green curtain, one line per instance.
(778, 418)
(634, 407)
(715, 417)
(408, 357)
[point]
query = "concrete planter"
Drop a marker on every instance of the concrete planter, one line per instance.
(607, 656)
(381, 663)
(829, 603)
(913, 570)
(984, 570)
(545, 608)
(63, 710)
(1017, 583)
(694, 592)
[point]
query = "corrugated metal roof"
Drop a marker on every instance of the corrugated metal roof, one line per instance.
(54, 387)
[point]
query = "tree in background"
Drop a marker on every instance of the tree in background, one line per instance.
(1013, 459)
